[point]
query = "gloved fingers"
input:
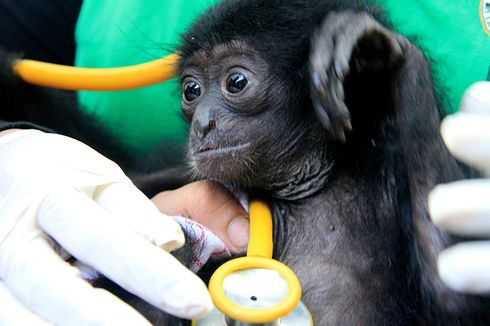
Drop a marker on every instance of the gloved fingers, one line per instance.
(131, 206)
(462, 207)
(465, 267)
(97, 238)
(51, 288)
(12, 312)
(35, 155)
(466, 133)
(467, 136)
(12, 136)
(476, 99)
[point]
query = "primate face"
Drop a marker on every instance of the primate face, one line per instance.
(226, 95)
(229, 76)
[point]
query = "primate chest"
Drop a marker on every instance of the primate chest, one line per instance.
(343, 251)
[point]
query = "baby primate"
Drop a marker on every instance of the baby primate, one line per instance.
(323, 111)
(330, 116)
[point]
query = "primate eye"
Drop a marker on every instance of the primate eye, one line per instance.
(236, 83)
(192, 90)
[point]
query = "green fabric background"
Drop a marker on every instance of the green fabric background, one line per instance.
(452, 35)
(113, 33)
(121, 32)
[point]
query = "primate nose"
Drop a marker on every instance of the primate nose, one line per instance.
(207, 127)
(204, 120)
(204, 123)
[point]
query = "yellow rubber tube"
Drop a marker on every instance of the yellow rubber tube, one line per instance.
(260, 243)
(96, 79)
(259, 255)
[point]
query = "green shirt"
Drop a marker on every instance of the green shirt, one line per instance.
(454, 34)
(113, 33)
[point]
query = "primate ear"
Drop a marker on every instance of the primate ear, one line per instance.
(347, 44)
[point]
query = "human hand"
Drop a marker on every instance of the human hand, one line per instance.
(463, 207)
(57, 193)
(211, 205)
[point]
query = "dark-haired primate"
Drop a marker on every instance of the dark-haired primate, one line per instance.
(330, 116)
(325, 112)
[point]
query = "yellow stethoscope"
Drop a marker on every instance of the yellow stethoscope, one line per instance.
(96, 79)
(259, 255)
(244, 308)
(287, 308)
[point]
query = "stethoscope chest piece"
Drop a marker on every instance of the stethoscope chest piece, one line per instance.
(261, 290)
(256, 289)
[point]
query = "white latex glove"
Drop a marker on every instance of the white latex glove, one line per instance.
(56, 193)
(464, 207)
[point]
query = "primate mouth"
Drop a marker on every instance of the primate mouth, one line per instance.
(206, 152)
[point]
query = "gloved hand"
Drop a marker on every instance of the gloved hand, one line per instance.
(464, 207)
(55, 193)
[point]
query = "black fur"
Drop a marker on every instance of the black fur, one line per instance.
(342, 141)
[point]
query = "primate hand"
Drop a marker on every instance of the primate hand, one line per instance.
(463, 207)
(61, 199)
(347, 43)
